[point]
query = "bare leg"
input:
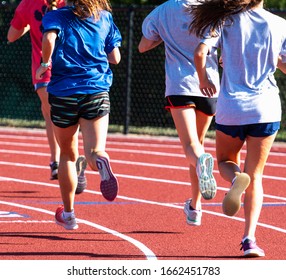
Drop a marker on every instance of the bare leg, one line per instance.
(45, 107)
(258, 149)
(68, 142)
(192, 126)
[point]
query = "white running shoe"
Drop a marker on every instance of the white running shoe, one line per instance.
(207, 182)
(194, 217)
(232, 201)
(81, 165)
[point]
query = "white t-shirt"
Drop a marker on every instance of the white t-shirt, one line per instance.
(170, 22)
(250, 47)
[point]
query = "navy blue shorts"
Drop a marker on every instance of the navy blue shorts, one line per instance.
(67, 110)
(204, 104)
(39, 85)
(254, 130)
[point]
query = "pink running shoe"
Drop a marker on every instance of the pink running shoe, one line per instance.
(69, 223)
(109, 183)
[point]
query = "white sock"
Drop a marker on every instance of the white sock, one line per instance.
(67, 215)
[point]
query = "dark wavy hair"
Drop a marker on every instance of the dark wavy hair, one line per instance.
(211, 14)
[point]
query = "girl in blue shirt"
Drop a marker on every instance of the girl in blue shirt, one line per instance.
(80, 40)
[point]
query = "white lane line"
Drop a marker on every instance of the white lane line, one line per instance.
(28, 222)
(140, 178)
(147, 252)
(129, 140)
(117, 150)
(170, 205)
(120, 162)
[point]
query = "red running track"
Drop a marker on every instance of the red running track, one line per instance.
(146, 221)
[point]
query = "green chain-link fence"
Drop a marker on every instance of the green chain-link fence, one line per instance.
(137, 94)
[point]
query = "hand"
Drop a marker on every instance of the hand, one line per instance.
(207, 88)
(40, 71)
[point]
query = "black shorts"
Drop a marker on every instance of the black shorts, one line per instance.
(67, 110)
(204, 104)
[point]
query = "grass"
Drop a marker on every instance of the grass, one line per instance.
(152, 131)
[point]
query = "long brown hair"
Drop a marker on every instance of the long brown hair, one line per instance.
(213, 13)
(88, 8)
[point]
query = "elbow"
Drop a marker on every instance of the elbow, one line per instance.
(11, 38)
(141, 49)
(115, 60)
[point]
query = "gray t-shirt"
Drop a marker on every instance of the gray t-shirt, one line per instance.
(170, 22)
(250, 47)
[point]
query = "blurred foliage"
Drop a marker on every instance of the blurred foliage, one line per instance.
(276, 4)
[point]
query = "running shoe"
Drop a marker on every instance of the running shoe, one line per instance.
(232, 201)
(54, 170)
(69, 223)
(81, 165)
(109, 183)
(250, 249)
(207, 183)
(194, 217)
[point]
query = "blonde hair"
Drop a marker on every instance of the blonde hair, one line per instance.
(214, 13)
(87, 8)
(52, 5)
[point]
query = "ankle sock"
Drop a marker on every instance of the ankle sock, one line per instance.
(67, 215)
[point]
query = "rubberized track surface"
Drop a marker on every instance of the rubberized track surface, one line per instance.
(146, 221)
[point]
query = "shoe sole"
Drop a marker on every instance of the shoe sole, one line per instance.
(81, 165)
(253, 253)
(109, 183)
(66, 226)
(207, 182)
(232, 202)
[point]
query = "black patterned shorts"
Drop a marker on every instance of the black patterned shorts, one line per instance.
(67, 110)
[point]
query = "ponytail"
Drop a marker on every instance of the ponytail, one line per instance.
(214, 13)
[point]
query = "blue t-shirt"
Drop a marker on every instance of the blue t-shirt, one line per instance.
(79, 59)
(250, 46)
(170, 22)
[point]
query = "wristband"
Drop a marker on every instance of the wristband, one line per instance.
(45, 64)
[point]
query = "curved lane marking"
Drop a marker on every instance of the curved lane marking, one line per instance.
(147, 252)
